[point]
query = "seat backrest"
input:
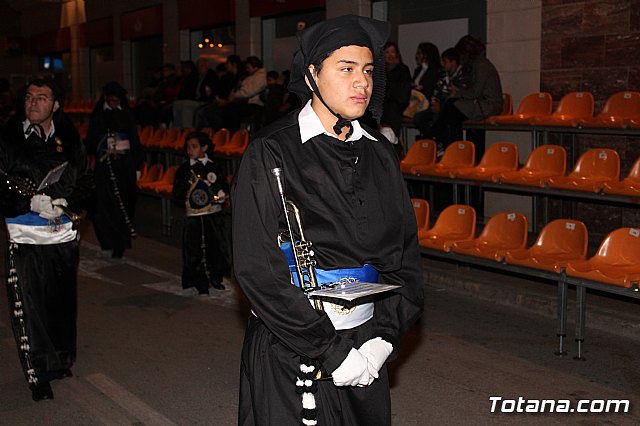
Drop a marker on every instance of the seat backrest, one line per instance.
(507, 104)
(154, 173)
(506, 229)
(145, 133)
(602, 162)
(501, 154)
(170, 137)
(548, 158)
(422, 151)
(634, 173)
(566, 237)
(575, 104)
(620, 248)
(220, 138)
(539, 103)
(240, 139)
(458, 219)
(459, 153)
(157, 136)
(421, 210)
(623, 105)
(169, 175)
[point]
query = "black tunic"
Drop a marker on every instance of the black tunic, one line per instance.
(355, 210)
(41, 276)
(109, 220)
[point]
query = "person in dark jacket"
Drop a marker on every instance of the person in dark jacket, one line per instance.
(46, 185)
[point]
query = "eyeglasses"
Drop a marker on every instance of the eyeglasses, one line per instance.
(39, 99)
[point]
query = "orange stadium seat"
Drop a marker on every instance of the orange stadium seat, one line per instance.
(422, 211)
(421, 153)
(220, 139)
(164, 185)
(616, 262)
(153, 173)
(179, 144)
(170, 137)
(459, 154)
(618, 111)
(499, 157)
(155, 139)
(572, 108)
(544, 162)
(628, 186)
(531, 106)
(238, 143)
(593, 169)
(504, 231)
(560, 242)
(144, 134)
(165, 180)
(456, 222)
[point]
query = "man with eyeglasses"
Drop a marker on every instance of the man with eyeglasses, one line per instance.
(41, 255)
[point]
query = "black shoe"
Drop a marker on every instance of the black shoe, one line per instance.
(64, 373)
(217, 285)
(41, 391)
(117, 253)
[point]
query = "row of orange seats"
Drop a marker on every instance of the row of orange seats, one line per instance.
(575, 109)
(79, 106)
(156, 178)
(174, 139)
(560, 247)
(597, 170)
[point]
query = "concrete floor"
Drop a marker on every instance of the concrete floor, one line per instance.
(150, 353)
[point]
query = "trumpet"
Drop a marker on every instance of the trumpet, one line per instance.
(303, 253)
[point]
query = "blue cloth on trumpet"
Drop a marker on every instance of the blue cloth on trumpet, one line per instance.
(366, 273)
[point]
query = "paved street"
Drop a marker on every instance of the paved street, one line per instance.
(150, 353)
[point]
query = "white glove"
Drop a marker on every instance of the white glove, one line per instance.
(222, 197)
(377, 351)
(44, 206)
(353, 371)
(138, 174)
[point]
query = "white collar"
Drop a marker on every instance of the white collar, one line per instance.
(25, 128)
(204, 160)
(106, 107)
(310, 126)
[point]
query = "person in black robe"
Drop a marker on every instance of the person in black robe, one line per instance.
(42, 247)
(113, 139)
(345, 179)
(202, 188)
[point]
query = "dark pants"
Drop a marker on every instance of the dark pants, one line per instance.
(447, 128)
(204, 261)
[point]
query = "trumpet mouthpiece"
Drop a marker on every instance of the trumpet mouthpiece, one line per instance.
(277, 171)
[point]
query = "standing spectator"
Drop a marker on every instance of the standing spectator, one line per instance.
(479, 98)
(397, 95)
(272, 97)
(8, 102)
(244, 102)
(209, 115)
(168, 89)
(42, 252)
(113, 139)
(202, 188)
(186, 103)
(345, 179)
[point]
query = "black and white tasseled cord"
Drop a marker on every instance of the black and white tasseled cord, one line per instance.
(116, 192)
(18, 315)
(306, 387)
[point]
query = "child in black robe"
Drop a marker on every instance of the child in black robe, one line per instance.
(203, 188)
